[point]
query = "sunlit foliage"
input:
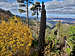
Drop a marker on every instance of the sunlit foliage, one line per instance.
(71, 39)
(15, 38)
(53, 44)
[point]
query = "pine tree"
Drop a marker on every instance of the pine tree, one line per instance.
(36, 8)
(22, 4)
(41, 39)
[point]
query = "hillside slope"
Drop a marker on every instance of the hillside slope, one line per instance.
(5, 14)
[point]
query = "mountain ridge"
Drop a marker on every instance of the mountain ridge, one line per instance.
(5, 13)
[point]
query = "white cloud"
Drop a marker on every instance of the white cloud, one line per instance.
(8, 5)
(3, 0)
(12, 5)
(52, 7)
(60, 7)
(67, 2)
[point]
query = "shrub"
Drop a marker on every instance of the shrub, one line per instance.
(15, 38)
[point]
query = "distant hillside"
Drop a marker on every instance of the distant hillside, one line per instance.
(5, 13)
(63, 20)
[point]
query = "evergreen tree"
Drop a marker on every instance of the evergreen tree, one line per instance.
(41, 39)
(36, 8)
(22, 4)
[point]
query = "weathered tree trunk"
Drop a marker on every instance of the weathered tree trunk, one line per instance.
(58, 29)
(37, 21)
(41, 39)
(27, 19)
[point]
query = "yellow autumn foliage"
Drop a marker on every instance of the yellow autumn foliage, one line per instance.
(15, 38)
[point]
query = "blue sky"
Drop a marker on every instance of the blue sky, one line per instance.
(44, 0)
(54, 8)
(48, 0)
